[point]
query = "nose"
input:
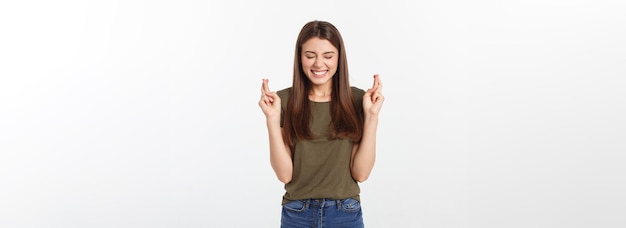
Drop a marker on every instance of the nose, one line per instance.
(318, 63)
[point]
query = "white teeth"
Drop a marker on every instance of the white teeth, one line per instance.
(319, 72)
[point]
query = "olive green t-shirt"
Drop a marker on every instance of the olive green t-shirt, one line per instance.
(321, 167)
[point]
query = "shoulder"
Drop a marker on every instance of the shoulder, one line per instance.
(357, 98)
(284, 95)
(357, 92)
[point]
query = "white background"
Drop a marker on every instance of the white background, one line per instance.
(144, 113)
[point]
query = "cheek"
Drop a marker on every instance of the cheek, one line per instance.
(332, 63)
(306, 63)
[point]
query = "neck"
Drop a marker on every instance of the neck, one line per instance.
(320, 93)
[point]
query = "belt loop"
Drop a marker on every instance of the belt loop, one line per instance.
(338, 202)
(307, 203)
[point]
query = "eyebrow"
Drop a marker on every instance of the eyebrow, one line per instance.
(328, 52)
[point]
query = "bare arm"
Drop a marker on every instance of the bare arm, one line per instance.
(364, 154)
(280, 154)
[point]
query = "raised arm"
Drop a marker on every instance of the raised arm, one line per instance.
(364, 153)
(280, 154)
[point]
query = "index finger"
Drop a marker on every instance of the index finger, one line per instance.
(377, 84)
(265, 87)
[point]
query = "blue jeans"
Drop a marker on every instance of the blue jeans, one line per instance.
(322, 213)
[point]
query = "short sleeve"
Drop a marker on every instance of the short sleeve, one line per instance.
(284, 96)
(357, 95)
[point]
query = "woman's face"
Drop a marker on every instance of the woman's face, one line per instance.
(319, 61)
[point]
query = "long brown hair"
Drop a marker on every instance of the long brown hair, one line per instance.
(346, 121)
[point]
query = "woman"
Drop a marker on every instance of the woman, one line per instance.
(322, 133)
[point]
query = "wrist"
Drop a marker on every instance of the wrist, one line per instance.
(272, 121)
(371, 117)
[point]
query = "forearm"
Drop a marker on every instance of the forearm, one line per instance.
(365, 155)
(280, 154)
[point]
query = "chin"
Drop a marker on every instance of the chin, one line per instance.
(319, 81)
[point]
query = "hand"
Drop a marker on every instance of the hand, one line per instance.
(270, 102)
(373, 98)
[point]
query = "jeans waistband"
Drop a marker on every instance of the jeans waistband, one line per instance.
(322, 202)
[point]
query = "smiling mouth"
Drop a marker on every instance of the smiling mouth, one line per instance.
(319, 73)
